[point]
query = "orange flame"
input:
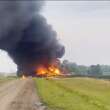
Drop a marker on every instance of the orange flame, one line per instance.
(41, 71)
(50, 71)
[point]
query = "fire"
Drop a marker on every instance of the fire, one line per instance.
(23, 77)
(41, 71)
(48, 72)
(54, 71)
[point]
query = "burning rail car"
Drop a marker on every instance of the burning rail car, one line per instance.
(48, 70)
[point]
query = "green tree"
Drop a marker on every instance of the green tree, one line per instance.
(71, 67)
(95, 70)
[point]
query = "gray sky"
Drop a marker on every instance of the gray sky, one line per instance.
(83, 27)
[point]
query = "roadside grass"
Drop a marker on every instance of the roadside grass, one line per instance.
(6, 79)
(74, 93)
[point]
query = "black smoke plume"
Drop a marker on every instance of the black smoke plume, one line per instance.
(26, 35)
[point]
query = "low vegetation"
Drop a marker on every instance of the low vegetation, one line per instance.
(5, 79)
(95, 70)
(74, 93)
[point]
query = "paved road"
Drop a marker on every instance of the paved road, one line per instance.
(19, 95)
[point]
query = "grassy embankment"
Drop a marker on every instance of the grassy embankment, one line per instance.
(74, 93)
(6, 79)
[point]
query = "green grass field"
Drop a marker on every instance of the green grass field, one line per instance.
(5, 79)
(74, 93)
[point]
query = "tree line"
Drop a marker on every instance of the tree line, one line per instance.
(74, 68)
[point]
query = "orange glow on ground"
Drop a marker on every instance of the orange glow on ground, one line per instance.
(23, 77)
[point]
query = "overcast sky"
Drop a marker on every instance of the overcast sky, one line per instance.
(83, 27)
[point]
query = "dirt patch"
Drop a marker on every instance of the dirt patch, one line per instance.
(19, 95)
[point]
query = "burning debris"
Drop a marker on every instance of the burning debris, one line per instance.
(28, 38)
(51, 70)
